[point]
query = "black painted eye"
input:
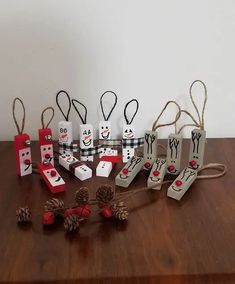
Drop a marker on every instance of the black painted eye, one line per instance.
(126, 131)
(65, 130)
(102, 127)
(130, 130)
(107, 127)
(22, 154)
(44, 149)
(48, 172)
(89, 132)
(27, 153)
(49, 148)
(85, 133)
(61, 130)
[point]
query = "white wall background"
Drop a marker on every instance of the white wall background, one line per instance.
(144, 49)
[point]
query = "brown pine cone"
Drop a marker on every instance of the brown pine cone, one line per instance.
(54, 205)
(104, 193)
(119, 211)
(82, 196)
(71, 223)
(23, 214)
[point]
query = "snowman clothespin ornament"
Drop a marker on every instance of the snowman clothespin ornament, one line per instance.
(128, 134)
(196, 153)
(105, 125)
(65, 128)
(45, 138)
(87, 149)
(22, 144)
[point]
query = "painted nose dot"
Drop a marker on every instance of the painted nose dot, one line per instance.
(171, 168)
(147, 165)
(125, 171)
(53, 173)
(193, 163)
(156, 173)
(27, 162)
(178, 183)
(47, 156)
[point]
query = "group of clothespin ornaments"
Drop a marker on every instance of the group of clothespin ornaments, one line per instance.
(108, 156)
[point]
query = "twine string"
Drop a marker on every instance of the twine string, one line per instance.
(128, 122)
(156, 125)
(66, 116)
(195, 123)
(221, 168)
(102, 107)
(201, 118)
(83, 119)
(43, 114)
(19, 130)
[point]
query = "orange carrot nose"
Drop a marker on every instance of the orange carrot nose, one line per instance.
(105, 131)
(87, 137)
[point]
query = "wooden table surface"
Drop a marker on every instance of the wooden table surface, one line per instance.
(163, 241)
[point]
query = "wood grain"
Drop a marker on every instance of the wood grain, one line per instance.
(164, 241)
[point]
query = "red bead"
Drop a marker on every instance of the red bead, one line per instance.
(156, 173)
(53, 173)
(178, 183)
(83, 211)
(125, 171)
(171, 168)
(47, 156)
(106, 212)
(27, 162)
(48, 218)
(147, 165)
(193, 163)
(70, 211)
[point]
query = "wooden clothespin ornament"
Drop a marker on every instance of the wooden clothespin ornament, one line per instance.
(76, 167)
(157, 174)
(45, 138)
(65, 128)
(86, 133)
(105, 130)
(106, 165)
(128, 132)
(22, 144)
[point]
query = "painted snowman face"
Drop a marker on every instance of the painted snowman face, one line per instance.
(65, 132)
(47, 153)
(86, 136)
(104, 130)
(53, 177)
(128, 131)
(25, 161)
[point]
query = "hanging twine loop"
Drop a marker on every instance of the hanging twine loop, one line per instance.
(66, 116)
(19, 130)
(200, 123)
(128, 122)
(114, 105)
(43, 114)
(221, 168)
(83, 118)
(156, 125)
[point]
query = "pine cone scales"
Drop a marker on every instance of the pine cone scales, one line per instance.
(82, 196)
(23, 214)
(54, 205)
(104, 194)
(71, 223)
(119, 211)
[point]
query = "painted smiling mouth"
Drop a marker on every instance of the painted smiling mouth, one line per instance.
(123, 177)
(155, 180)
(195, 168)
(58, 179)
(179, 189)
(71, 160)
(87, 143)
(129, 136)
(27, 167)
(105, 137)
(173, 172)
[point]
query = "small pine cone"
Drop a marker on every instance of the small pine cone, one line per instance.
(54, 205)
(104, 194)
(82, 196)
(119, 211)
(23, 214)
(71, 223)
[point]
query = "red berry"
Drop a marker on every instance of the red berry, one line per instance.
(27, 162)
(106, 212)
(83, 211)
(48, 218)
(156, 173)
(125, 171)
(178, 183)
(193, 163)
(147, 165)
(171, 168)
(47, 156)
(53, 173)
